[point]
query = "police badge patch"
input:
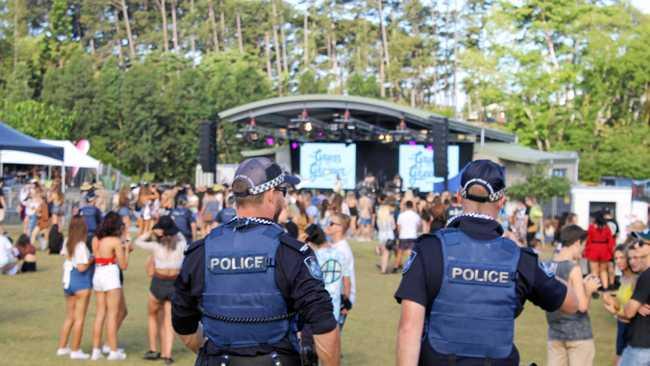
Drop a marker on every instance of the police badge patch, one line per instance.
(409, 262)
(549, 268)
(314, 269)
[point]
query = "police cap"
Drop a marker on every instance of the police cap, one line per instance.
(487, 174)
(260, 175)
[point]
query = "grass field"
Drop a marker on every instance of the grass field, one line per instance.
(32, 310)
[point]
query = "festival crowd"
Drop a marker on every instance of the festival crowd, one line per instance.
(103, 230)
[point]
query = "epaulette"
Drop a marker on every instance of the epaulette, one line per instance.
(196, 244)
(293, 243)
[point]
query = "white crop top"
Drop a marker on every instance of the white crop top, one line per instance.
(164, 258)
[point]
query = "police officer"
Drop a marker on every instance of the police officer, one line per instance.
(251, 286)
(91, 214)
(463, 286)
(184, 219)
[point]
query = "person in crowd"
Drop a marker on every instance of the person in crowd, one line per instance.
(192, 199)
(56, 200)
(549, 230)
(333, 265)
(615, 304)
(614, 228)
(3, 204)
(353, 211)
(111, 256)
(310, 206)
(102, 196)
(77, 284)
(26, 254)
(211, 203)
(25, 206)
(167, 246)
(600, 248)
(123, 206)
(637, 309)
(147, 195)
(212, 290)
(408, 225)
(42, 214)
(208, 223)
(289, 226)
(386, 233)
(300, 218)
(438, 218)
(365, 218)
(488, 281)
(426, 218)
(336, 231)
(8, 256)
(534, 214)
(570, 338)
(454, 208)
(228, 212)
(184, 219)
(91, 215)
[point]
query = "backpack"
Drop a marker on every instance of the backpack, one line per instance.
(55, 240)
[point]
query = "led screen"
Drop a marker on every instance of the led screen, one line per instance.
(416, 166)
(321, 163)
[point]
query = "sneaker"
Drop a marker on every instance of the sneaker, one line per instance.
(63, 351)
(97, 354)
(168, 360)
(106, 349)
(152, 355)
(116, 356)
(79, 355)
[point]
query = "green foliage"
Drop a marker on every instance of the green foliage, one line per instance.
(38, 119)
(309, 83)
(362, 86)
(538, 184)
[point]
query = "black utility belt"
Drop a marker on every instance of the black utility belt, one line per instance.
(272, 359)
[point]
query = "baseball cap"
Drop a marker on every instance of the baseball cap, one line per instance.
(487, 174)
(260, 175)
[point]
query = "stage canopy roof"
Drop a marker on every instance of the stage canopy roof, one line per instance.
(340, 117)
(13, 140)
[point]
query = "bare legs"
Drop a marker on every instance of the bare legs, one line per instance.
(167, 334)
(600, 270)
(64, 335)
(152, 322)
(82, 298)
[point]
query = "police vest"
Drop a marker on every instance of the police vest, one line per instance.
(89, 214)
(180, 217)
(242, 304)
(473, 314)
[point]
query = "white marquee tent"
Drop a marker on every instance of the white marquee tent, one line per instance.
(72, 157)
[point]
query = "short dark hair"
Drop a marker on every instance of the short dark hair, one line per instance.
(409, 204)
(571, 234)
(315, 234)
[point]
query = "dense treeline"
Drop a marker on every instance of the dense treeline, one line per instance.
(137, 76)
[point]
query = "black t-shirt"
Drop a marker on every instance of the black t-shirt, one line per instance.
(302, 292)
(639, 334)
(421, 283)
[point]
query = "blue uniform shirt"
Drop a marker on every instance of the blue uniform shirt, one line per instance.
(421, 282)
(302, 292)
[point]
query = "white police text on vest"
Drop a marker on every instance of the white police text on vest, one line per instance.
(238, 264)
(486, 276)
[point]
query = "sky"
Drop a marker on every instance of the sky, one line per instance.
(644, 5)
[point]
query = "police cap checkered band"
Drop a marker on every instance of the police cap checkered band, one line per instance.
(260, 175)
(487, 174)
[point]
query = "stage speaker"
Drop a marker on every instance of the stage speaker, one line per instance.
(440, 142)
(208, 146)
